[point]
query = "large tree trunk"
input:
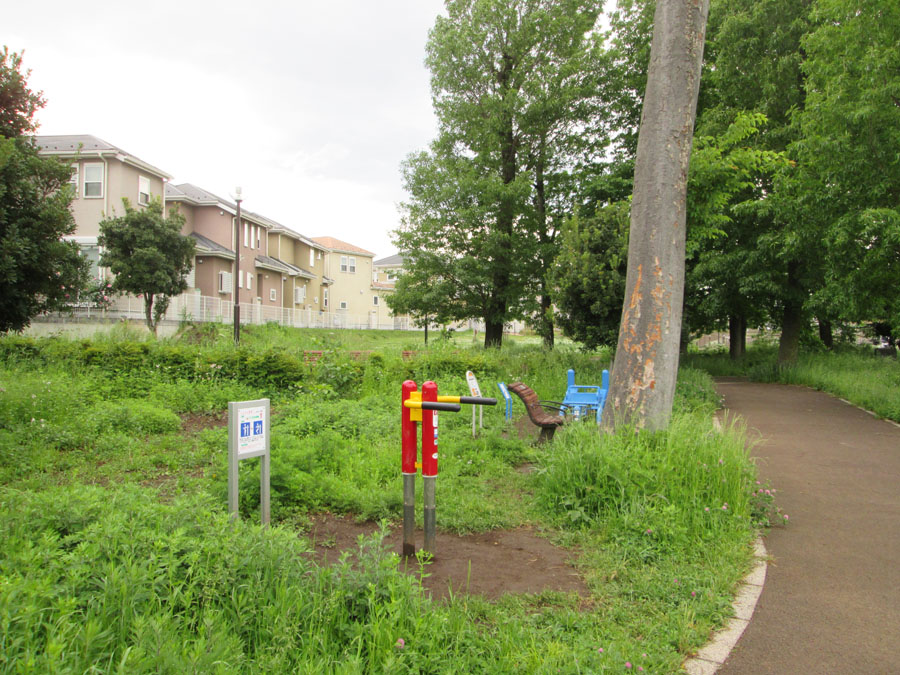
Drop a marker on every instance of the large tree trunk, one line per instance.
(643, 380)
(545, 320)
(496, 315)
(737, 336)
(792, 321)
(826, 333)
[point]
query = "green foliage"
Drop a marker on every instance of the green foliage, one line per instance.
(144, 569)
(148, 255)
(38, 270)
(512, 85)
(589, 276)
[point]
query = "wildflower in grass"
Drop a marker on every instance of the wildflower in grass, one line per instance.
(599, 650)
(706, 509)
(400, 643)
(693, 594)
(785, 516)
(649, 530)
(628, 664)
(676, 583)
(725, 506)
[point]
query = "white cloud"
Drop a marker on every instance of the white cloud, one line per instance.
(308, 106)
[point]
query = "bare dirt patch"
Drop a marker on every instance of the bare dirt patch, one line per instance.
(192, 423)
(489, 564)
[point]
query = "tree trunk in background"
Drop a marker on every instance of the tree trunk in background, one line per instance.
(737, 336)
(545, 320)
(642, 388)
(792, 321)
(826, 333)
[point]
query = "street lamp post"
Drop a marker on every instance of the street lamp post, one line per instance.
(237, 269)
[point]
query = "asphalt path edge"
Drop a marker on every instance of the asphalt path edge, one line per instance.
(711, 657)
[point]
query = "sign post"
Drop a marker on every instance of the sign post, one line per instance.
(475, 390)
(248, 436)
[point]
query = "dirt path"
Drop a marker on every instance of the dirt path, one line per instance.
(831, 602)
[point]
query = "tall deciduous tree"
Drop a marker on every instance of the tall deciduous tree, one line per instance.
(148, 255)
(475, 199)
(642, 387)
(38, 271)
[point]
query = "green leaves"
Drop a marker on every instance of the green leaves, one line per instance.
(148, 255)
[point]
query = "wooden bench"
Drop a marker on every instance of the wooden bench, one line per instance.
(538, 411)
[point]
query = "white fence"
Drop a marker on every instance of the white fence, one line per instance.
(199, 308)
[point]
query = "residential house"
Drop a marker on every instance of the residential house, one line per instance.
(384, 278)
(350, 295)
(308, 288)
(210, 220)
(103, 176)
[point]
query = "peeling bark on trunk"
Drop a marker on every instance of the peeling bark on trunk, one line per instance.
(643, 380)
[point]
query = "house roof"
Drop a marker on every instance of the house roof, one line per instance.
(191, 193)
(85, 145)
(383, 285)
(295, 271)
(207, 246)
(342, 246)
(390, 261)
(275, 265)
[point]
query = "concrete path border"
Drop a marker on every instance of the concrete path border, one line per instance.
(711, 657)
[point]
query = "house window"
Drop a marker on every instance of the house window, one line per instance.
(249, 281)
(343, 263)
(73, 181)
(93, 180)
(343, 304)
(299, 295)
(375, 300)
(258, 235)
(240, 279)
(143, 190)
(392, 275)
(273, 296)
(312, 258)
(224, 282)
(246, 235)
(352, 265)
(325, 298)
(92, 253)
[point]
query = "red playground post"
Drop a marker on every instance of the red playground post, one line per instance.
(423, 406)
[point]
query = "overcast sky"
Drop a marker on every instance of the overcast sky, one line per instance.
(309, 106)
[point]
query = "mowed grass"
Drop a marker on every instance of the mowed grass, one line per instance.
(852, 373)
(118, 554)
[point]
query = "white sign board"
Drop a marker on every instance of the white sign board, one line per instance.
(474, 389)
(248, 436)
(251, 440)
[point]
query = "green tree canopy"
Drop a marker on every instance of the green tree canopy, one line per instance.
(38, 270)
(507, 79)
(148, 255)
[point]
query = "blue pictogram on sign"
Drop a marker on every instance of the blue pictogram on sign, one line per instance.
(245, 429)
(257, 428)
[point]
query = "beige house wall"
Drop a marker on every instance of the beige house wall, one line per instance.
(119, 180)
(352, 288)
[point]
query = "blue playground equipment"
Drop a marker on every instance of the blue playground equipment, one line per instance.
(507, 398)
(581, 399)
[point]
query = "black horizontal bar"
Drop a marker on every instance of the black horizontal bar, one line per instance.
(477, 400)
(446, 407)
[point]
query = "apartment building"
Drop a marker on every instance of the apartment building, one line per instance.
(103, 176)
(350, 269)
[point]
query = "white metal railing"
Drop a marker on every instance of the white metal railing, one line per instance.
(199, 308)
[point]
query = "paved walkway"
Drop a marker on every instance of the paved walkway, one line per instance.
(831, 601)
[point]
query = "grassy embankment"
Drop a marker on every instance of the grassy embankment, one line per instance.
(855, 374)
(118, 555)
